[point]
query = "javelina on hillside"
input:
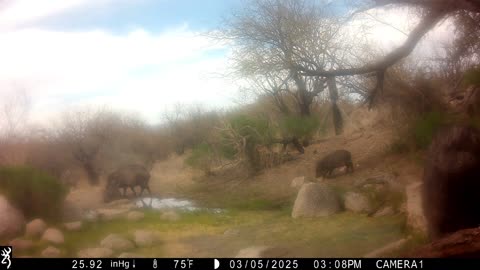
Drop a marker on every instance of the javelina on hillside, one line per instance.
(126, 176)
(332, 161)
(451, 181)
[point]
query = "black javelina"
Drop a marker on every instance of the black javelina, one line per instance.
(330, 162)
(127, 176)
(451, 181)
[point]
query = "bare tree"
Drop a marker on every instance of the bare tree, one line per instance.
(269, 35)
(14, 110)
(86, 133)
(433, 12)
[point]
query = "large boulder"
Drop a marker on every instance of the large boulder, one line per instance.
(51, 252)
(316, 200)
(415, 216)
(12, 221)
(357, 202)
(95, 253)
(53, 235)
(117, 243)
(35, 228)
(461, 244)
(144, 238)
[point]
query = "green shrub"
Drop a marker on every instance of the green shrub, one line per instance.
(299, 127)
(256, 129)
(34, 192)
(426, 126)
(201, 157)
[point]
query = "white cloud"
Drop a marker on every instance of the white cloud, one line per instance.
(138, 71)
(18, 12)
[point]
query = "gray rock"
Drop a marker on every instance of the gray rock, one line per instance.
(12, 221)
(297, 182)
(316, 200)
(357, 202)
(110, 214)
(91, 216)
(21, 244)
(135, 216)
(73, 226)
(35, 228)
(117, 243)
(415, 216)
(144, 238)
(95, 253)
(51, 252)
(53, 235)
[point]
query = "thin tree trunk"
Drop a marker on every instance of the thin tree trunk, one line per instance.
(337, 116)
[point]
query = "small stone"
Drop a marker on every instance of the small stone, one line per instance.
(262, 252)
(99, 252)
(386, 211)
(91, 216)
(54, 236)
(116, 243)
(73, 226)
(21, 244)
(110, 214)
(35, 228)
(51, 252)
(128, 255)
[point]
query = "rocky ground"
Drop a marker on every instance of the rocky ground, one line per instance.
(283, 211)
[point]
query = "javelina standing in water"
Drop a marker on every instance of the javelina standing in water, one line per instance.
(451, 181)
(330, 162)
(127, 176)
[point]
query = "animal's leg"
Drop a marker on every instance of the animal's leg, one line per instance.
(133, 190)
(124, 191)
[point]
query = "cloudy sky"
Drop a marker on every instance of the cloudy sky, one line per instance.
(135, 55)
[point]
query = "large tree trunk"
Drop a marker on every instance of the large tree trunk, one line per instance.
(337, 116)
(93, 177)
(303, 99)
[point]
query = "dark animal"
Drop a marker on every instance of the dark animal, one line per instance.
(330, 162)
(126, 176)
(451, 181)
